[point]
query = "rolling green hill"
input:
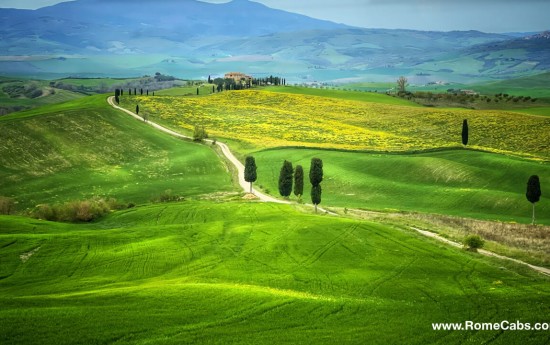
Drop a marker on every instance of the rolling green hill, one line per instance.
(534, 86)
(85, 148)
(249, 273)
(19, 94)
(459, 182)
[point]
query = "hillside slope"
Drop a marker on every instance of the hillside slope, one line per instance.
(85, 148)
(249, 273)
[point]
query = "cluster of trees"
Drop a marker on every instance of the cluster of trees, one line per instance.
(226, 84)
(289, 177)
(455, 95)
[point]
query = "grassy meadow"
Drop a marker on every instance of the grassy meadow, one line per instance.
(85, 148)
(261, 119)
(215, 269)
(459, 182)
(249, 273)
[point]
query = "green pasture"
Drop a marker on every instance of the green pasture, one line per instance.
(458, 182)
(19, 101)
(534, 86)
(85, 148)
(342, 94)
(250, 273)
(205, 89)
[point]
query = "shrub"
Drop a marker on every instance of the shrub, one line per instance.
(167, 196)
(7, 205)
(199, 134)
(473, 242)
(45, 212)
(75, 211)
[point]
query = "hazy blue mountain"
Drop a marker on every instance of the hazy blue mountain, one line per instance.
(193, 39)
(88, 26)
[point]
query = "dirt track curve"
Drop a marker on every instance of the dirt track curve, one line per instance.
(267, 198)
(224, 148)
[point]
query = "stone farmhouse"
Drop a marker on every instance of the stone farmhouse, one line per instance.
(237, 76)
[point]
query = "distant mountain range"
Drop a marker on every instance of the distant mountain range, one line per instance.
(192, 39)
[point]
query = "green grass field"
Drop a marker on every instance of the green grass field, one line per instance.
(261, 119)
(14, 94)
(205, 89)
(460, 182)
(235, 272)
(534, 86)
(380, 98)
(85, 148)
(249, 273)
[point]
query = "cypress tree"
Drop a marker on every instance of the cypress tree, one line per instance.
(299, 181)
(285, 179)
(141, 92)
(137, 109)
(533, 192)
(197, 91)
(117, 93)
(316, 195)
(250, 170)
(121, 92)
(316, 171)
(465, 132)
(316, 177)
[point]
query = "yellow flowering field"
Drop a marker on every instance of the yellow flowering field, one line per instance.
(267, 119)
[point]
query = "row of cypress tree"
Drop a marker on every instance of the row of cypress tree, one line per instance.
(290, 176)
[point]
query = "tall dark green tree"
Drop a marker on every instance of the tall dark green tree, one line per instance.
(121, 92)
(465, 132)
(316, 196)
(137, 109)
(533, 192)
(285, 179)
(316, 177)
(299, 181)
(250, 170)
(316, 171)
(117, 92)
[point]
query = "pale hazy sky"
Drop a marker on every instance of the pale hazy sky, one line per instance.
(440, 15)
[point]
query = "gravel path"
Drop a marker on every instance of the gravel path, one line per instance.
(224, 148)
(542, 270)
(267, 198)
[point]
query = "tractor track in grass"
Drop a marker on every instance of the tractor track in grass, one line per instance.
(267, 198)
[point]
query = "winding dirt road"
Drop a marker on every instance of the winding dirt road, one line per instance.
(224, 148)
(267, 198)
(542, 270)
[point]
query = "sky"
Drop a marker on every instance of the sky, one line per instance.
(437, 15)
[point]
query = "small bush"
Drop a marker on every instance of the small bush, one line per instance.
(7, 205)
(75, 211)
(167, 196)
(473, 242)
